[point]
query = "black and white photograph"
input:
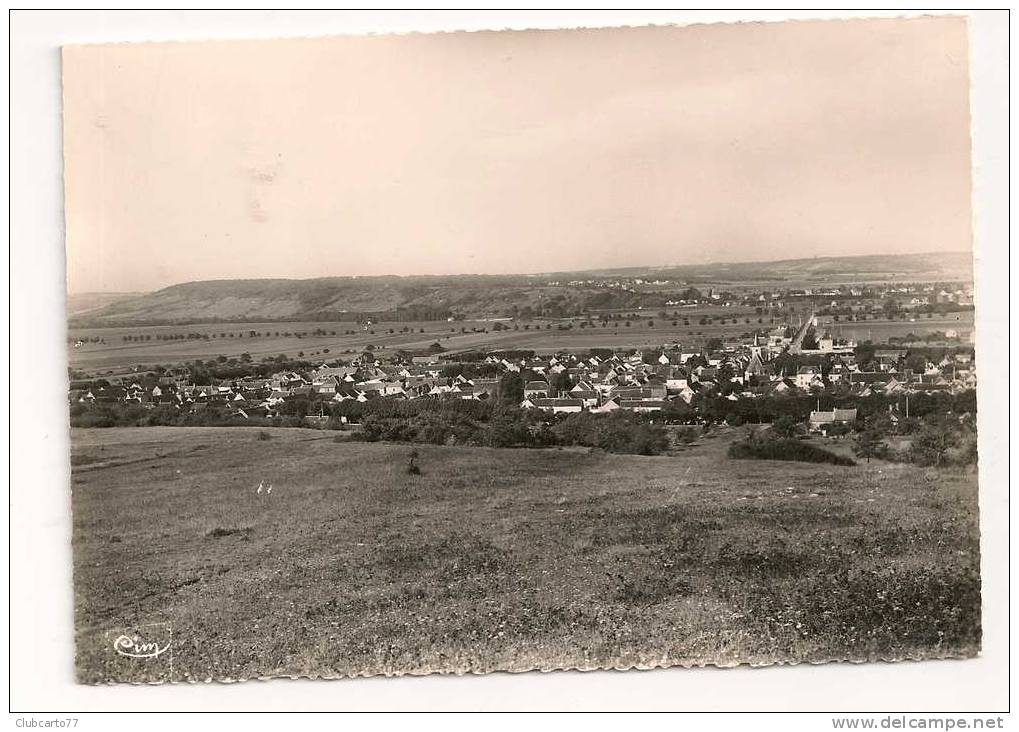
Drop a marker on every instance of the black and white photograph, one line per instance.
(601, 349)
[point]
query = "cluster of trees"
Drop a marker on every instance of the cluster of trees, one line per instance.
(509, 354)
(943, 441)
(453, 409)
(134, 415)
(916, 358)
(936, 437)
(613, 300)
(511, 385)
(500, 427)
(619, 432)
(429, 427)
(770, 408)
(212, 371)
(935, 440)
(470, 370)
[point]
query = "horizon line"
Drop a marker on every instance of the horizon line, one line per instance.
(549, 273)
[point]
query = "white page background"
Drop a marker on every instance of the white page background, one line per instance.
(41, 617)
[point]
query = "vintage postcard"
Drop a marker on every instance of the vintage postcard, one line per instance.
(502, 351)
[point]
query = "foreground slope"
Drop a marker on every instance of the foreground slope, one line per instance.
(506, 559)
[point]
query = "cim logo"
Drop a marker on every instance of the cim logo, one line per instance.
(135, 644)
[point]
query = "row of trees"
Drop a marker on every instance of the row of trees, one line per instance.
(134, 415)
(798, 408)
(316, 333)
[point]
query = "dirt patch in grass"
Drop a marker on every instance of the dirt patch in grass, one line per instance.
(221, 531)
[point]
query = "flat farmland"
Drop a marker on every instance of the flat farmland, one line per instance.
(233, 339)
(879, 331)
(507, 559)
(115, 353)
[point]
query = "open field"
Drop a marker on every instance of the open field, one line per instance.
(116, 353)
(507, 559)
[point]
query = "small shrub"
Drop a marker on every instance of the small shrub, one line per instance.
(263, 436)
(869, 443)
(412, 466)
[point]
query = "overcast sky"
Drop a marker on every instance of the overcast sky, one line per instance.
(514, 151)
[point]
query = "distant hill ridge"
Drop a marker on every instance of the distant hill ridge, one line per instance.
(430, 297)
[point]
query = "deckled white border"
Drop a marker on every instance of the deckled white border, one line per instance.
(41, 612)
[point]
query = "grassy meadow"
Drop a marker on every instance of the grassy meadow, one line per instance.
(508, 559)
